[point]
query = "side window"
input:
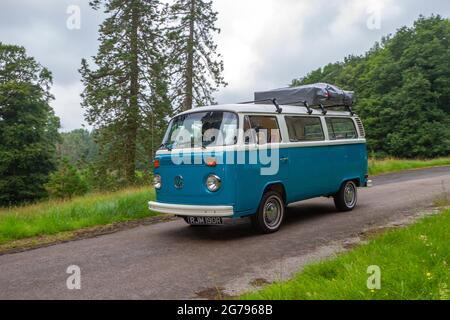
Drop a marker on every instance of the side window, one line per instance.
(304, 129)
(341, 128)
(264, 129)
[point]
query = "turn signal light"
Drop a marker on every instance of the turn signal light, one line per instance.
(211, 162)
(156, 164)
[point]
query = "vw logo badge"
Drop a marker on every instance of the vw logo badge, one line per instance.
(179, 182)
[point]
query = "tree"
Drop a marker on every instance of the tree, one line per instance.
(78, 147)
(66, 182)
(128, 88)
(403, 89)
(197, 68)
(421, 126)
(28, 127)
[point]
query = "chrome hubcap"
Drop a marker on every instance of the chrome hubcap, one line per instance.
(273, 213)
(350, 195)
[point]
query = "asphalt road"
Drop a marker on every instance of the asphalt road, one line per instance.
(173, 261)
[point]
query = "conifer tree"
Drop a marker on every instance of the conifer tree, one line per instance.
(128, 86)
(197, 67)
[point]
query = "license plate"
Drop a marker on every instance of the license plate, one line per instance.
(205, 221)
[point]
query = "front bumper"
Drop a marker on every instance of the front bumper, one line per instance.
(191, 211)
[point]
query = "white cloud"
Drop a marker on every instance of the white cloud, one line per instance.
(252, 29)
(67, 105)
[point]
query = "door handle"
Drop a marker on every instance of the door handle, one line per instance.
(284, 159)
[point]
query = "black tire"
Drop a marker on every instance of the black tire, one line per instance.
(347, 197)
(270, 215)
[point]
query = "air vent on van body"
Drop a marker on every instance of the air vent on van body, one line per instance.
(362, 132)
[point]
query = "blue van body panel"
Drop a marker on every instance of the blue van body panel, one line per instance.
(349, 162)
(194, 191)
(307, 173)
(252, 181)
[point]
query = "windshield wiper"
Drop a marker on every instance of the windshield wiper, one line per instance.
(167, 146)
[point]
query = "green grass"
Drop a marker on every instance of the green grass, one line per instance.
(377, 167)
(414, 262)
(53, 217)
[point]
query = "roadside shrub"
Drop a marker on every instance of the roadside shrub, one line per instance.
(67, 182)
(143, 178)
(100, 179)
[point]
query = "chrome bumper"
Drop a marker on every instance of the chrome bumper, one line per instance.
(191, 211)
(369, 184)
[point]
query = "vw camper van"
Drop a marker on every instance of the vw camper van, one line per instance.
(254, 159)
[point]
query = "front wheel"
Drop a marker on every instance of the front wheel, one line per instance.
(347, 197)
(270, 213)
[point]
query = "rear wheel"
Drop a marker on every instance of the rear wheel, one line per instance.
(270, 213)
(347, 197)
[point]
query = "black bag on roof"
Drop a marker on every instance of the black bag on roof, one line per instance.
(313, 94)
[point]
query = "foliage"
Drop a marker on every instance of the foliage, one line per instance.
(126, 95)
(28, 127)
(413, 261)
(196, 67)
(108, 180)
(78, 147)
(66, 182)
(403, 88)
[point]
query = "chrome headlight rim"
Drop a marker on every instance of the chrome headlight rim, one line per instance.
(157, 182)
(213, 183)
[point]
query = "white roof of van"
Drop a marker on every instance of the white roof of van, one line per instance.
(264, 108)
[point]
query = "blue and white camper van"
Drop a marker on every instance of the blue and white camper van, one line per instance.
(252, 160)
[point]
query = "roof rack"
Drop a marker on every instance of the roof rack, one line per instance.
(305, 104)
(274, 101)
(310, 109)
(349, 108)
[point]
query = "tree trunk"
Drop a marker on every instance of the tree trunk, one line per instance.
(188, 99)
(133, 112)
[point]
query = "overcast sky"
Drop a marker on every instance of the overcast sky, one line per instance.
(265, 43)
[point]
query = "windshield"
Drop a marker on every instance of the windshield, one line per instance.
(202, 129)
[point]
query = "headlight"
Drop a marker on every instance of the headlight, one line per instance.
(213, 183)
(157, 182)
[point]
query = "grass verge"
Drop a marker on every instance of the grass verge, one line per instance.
(377, 167)
(54, 217)
(414, 263)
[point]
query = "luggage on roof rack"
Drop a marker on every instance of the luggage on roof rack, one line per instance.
(318, 94)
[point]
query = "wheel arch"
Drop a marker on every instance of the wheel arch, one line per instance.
(277, 187)
(356, 180)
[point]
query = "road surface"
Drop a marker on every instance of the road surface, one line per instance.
(173, 261)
